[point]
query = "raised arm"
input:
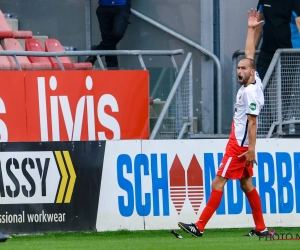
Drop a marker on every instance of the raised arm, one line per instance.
(253, 22)
(296, 10)
(298, 23)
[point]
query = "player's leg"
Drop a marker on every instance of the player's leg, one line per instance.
(196, 229)
(255, 204)
(213, 201)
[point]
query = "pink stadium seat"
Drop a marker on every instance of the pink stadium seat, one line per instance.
(7, 32)
(4, 62)
(13, 44)
(53, 45)
(33, 44)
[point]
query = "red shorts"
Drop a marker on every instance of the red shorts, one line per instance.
(233, 167)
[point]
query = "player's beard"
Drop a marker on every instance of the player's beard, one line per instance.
(245, 80)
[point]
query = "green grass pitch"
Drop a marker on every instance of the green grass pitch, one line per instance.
(213, 239)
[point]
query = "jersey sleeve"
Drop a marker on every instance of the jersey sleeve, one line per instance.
(260, 6)
(252, 104)
(257, 78)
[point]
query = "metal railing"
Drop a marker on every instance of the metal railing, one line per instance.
(176, 117)
(97, 53)
(203, 51)
(281, 90)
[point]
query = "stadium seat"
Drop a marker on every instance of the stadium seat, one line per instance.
(13, 44)
(53, 45)
(4, 62)
(33, 44)
(7, 32)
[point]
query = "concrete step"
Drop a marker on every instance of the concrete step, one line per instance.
(13, 23)
(169, 124)
(209, 136)
(156, 108)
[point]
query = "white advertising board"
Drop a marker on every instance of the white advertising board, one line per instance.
(155, 184)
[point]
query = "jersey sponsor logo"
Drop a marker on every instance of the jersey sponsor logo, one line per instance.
(252, 106)
(36, 177)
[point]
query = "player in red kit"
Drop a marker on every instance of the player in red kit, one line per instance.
(239, 157)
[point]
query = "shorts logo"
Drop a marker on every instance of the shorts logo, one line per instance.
(252, 106)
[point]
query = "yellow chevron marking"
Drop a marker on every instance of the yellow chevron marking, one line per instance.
(64, 177)
(72, 176)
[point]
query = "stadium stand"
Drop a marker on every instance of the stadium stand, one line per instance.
(53, 45)
(27, 42)
(7, 32)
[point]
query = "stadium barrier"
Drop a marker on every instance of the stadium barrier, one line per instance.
(176, 117)
(154, 184)
(176, 120)
(50, 186)
(138, 185)
(74, 105)
(282, 93)
(98, 53)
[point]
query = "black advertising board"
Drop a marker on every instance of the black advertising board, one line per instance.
(50, 186)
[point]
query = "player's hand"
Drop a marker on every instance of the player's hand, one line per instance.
(250, 157)
(253, 16)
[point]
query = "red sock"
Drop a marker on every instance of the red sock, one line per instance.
(255, 204)
(211, 206)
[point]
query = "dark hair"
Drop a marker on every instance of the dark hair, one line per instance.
(252, 63)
